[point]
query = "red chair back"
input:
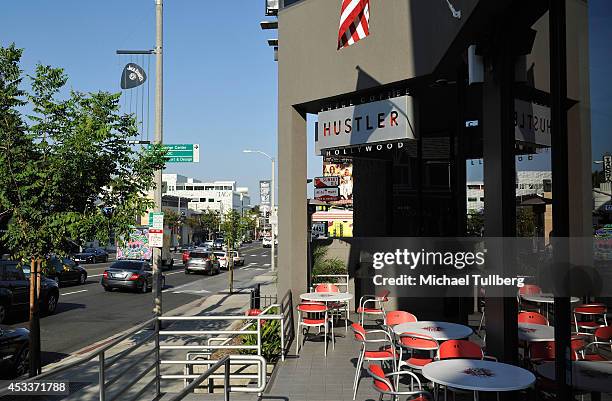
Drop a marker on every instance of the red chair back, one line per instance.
(253, 312)
(544, 351)
(327, 287)
(383, 294)
(399, 316)
(380, 381)
(530, 289)
(532, 317)
(358, 331)
(460, 349)
(591, 309)
(312, 308)
(604, 333)
(418, 341)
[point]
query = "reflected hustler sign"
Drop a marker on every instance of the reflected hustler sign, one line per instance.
(381, 121)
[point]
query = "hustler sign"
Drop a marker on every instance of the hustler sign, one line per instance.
(381, 121)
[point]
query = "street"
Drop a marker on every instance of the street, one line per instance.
(87, 314)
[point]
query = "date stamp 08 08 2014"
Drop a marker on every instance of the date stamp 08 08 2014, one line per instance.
(34, 387)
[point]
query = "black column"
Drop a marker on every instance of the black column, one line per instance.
(500, 200)
(560, 210)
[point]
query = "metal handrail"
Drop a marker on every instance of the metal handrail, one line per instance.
(227, 362)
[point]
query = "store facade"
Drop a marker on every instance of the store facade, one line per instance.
(409, 104)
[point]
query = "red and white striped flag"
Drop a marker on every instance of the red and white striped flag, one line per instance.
(354, 22)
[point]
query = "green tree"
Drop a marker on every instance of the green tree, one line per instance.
(172, 220)
(249, 224)
(525, 222)
(67, 172)
(206, 222)
(232, 229)
(475, 223)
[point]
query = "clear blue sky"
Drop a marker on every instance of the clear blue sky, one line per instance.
(220, 77)
(219, 74)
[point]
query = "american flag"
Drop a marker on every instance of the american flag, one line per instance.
(354, 22)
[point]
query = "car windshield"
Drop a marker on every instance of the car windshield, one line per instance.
(89, 250)
(134, 265)
(199, 255)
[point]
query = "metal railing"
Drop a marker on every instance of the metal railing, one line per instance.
(144, 363)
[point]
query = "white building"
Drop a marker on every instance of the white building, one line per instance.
(527, 183)
(218, 195)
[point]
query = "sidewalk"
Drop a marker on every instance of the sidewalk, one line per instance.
(84, 378)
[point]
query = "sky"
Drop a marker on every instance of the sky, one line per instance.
(219, 74)
(220, 85)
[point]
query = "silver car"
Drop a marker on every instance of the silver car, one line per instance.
(202, 261)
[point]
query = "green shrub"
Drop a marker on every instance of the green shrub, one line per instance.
(328, 266)
(270, 339)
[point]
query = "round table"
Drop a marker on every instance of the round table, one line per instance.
(326, 296)
(530, 332)
(586, 375)
(440, 331)
(478, 375)
(546, 299)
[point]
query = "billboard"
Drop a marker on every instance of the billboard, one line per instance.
(343, 169)
(264, 196)
(381, 121)
(327, 194)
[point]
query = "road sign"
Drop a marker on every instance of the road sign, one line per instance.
(156, 238)
(607, 167)
(327, 194)
(327, 182)
(182, 153)
(156, 220)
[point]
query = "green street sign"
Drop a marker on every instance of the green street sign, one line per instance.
(182, 153)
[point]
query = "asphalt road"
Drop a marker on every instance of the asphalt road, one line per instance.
(87, 314)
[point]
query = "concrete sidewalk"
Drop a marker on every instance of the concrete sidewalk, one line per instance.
(84, 378)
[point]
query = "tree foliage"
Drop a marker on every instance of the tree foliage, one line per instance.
(67, 170)
(232, 228)
(206, 222)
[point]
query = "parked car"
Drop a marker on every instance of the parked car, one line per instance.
(209, 243)
(202, 261)
(238, 258)
(218, 243)
(135, 275)
(91, 255)
(63, 271)
(14, 352)
(15, 291)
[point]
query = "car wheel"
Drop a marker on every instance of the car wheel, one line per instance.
(51, 304)
(22, 362)
(145, 287)
(82, 278)
(3, 313)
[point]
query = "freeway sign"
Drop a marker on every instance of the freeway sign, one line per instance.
(183, 153)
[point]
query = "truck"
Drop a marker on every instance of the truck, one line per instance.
(136, 247)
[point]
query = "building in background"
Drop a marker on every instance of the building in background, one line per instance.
(527, 183)
(221, 196)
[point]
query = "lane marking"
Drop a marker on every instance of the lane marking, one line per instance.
(195, 292)
(94, 275)
(169, 274)
(266, 264)
(73, 292)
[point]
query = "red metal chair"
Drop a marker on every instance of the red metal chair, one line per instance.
(592, 317)
(544, 351)
(396, 317)
(529, 289)
(422, 350)
(313, 321)
(327, 287)
(373, 305)
(341, 307)
(384, 386)
(604, 334)
(384, 353)
(463, 349)
(532, 317)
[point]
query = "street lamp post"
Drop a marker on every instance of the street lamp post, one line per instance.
(273, 221)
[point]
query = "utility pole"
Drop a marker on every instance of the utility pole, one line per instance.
(157, 194)
(273, 222)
